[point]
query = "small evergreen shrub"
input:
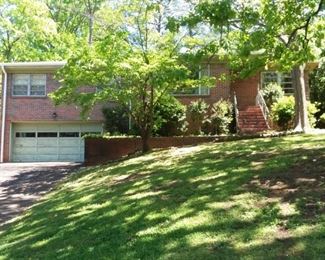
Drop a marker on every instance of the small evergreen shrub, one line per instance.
(197, 111)
(312, 110)
(169, 117)
(272, 93)
(322, 120)
(317, 92)
(116, 120)
(220, 117)
(283, 113)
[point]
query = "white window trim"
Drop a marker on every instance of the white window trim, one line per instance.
(29, 85)
(200, 87)
(279, 82)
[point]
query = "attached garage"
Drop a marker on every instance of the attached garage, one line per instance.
(50, 142)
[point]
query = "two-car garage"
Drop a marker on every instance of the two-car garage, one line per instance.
(32, 142)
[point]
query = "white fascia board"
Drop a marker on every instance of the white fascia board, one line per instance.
(30, 65)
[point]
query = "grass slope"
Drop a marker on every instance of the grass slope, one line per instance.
(261, 198)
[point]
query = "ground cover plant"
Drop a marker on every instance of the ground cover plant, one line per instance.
(261, 198)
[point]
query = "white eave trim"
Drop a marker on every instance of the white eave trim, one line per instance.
(30, 65)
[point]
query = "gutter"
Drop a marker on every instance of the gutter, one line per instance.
(4, 106)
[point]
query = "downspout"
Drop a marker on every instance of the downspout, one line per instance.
(4, 106)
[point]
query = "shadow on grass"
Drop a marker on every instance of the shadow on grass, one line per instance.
(205, 202)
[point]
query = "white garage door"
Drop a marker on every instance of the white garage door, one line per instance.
(50, 142)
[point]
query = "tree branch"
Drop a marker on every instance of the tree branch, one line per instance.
(305, 26)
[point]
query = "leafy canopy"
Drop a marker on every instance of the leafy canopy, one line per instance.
(135, 63)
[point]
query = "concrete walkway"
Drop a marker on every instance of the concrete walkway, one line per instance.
(21, 184)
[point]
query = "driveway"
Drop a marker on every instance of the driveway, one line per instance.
(21, 184)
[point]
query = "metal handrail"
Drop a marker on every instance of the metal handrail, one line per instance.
(236, 111)
(261, 103)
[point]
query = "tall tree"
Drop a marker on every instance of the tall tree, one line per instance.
(135, 64)
(24, 26)
(74, 16)
(255, 34)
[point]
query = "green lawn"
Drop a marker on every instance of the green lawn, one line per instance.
(262, 198)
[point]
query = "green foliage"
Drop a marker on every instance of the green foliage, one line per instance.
(169, 117)
(272, 93)
(256, 35)
(116, 120)
(317, 84)
(312, 111)
(26, 30)
(197, 111)
(132, 62)
(322, 119)
(317, 91)
(220, 117)
(263, 33)
(283, 113)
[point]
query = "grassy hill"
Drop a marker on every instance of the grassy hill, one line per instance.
(261, 198)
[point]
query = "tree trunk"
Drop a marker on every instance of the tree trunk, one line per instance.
(146, 147)
(301, 113)
(91, 25)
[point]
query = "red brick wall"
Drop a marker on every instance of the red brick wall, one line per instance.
(220, 90)
(24, 109)
(100, 150)
(42, 108)
(246, 90)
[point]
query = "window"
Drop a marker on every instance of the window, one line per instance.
(29, 85)
(90, 133)
(37, 85)
(20, 85)
(47, 134)
(283, 79)
(69, 134)
(203, 71)
(25, 134)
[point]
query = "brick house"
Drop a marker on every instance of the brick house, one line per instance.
(33, 129)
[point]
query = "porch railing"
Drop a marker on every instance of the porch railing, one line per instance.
(236, 112)
(261, 103)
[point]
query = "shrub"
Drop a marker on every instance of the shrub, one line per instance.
(283, 113)
(317, 92)
(312, 110)
(220, 117)
(322, 119)
(272, 93)
(116, 120)
(169, 117)
(197, 111)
